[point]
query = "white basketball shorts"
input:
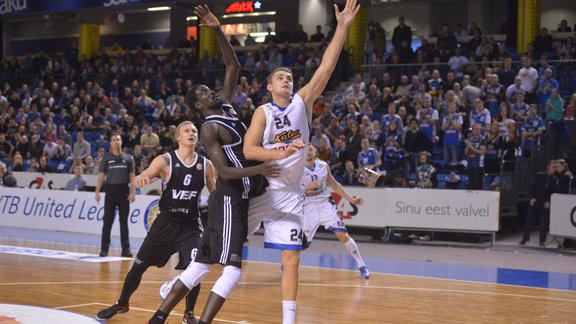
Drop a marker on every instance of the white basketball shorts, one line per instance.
(281, 212)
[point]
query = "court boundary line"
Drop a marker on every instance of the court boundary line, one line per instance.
(347, 270)
(439, 290)
(141, 310)
(177, 314)
(436, 278)
(74, 306)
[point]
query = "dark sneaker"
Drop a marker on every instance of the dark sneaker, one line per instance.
(109, 312)
(522, 242)
(126, 254)
(189, 318)
(103, 254)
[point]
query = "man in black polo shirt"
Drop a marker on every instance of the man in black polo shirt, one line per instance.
(117, 171)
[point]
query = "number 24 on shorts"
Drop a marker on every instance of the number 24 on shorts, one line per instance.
(295, 235)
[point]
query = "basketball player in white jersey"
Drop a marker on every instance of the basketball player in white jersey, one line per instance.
(280, 131)
(319, 211)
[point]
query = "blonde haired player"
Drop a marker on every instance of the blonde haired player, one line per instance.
(279, 132)
(319, 211)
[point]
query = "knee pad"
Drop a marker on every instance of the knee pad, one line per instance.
(194, 274)
(227, 281)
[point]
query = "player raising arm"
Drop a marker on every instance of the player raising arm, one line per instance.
(238, 181)
(279, 131)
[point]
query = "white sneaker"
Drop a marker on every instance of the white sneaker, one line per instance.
(364, 273)
(167, 287)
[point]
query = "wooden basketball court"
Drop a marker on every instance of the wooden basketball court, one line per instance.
(325, 296)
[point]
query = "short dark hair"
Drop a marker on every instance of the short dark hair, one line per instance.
(191, 97)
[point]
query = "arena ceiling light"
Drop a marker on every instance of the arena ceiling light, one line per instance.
(161, 8)
(250, 14)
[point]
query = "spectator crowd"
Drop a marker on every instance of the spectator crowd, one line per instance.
(464, 108)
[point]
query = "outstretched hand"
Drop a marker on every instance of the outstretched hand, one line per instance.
(357, 201)
(346, 16)
(142, 181)
(208, 18)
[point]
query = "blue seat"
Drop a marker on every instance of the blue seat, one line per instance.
(440, 163)
(463, 184)
(89, 136)
(377, 116)
(53, 164)
(441, 177)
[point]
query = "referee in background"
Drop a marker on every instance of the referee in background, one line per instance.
(117, 171)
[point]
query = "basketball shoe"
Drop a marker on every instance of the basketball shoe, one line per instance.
(364, 273)
(109, 312)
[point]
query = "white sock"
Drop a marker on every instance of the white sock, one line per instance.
(288, 311)
(352, 248)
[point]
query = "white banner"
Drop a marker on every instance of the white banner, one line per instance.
(55, 254)
(388, 207)
(71, 211)
(36, 180)
(563, 215)
(422, 208)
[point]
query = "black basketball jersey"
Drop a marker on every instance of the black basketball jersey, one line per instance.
(180, 194)
(246, 187)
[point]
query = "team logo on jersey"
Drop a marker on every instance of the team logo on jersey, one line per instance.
(346, 210)
(199, 166)
(286, 136)
(151, 213)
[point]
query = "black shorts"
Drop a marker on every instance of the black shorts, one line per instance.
(224, 237)
(166, 238)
